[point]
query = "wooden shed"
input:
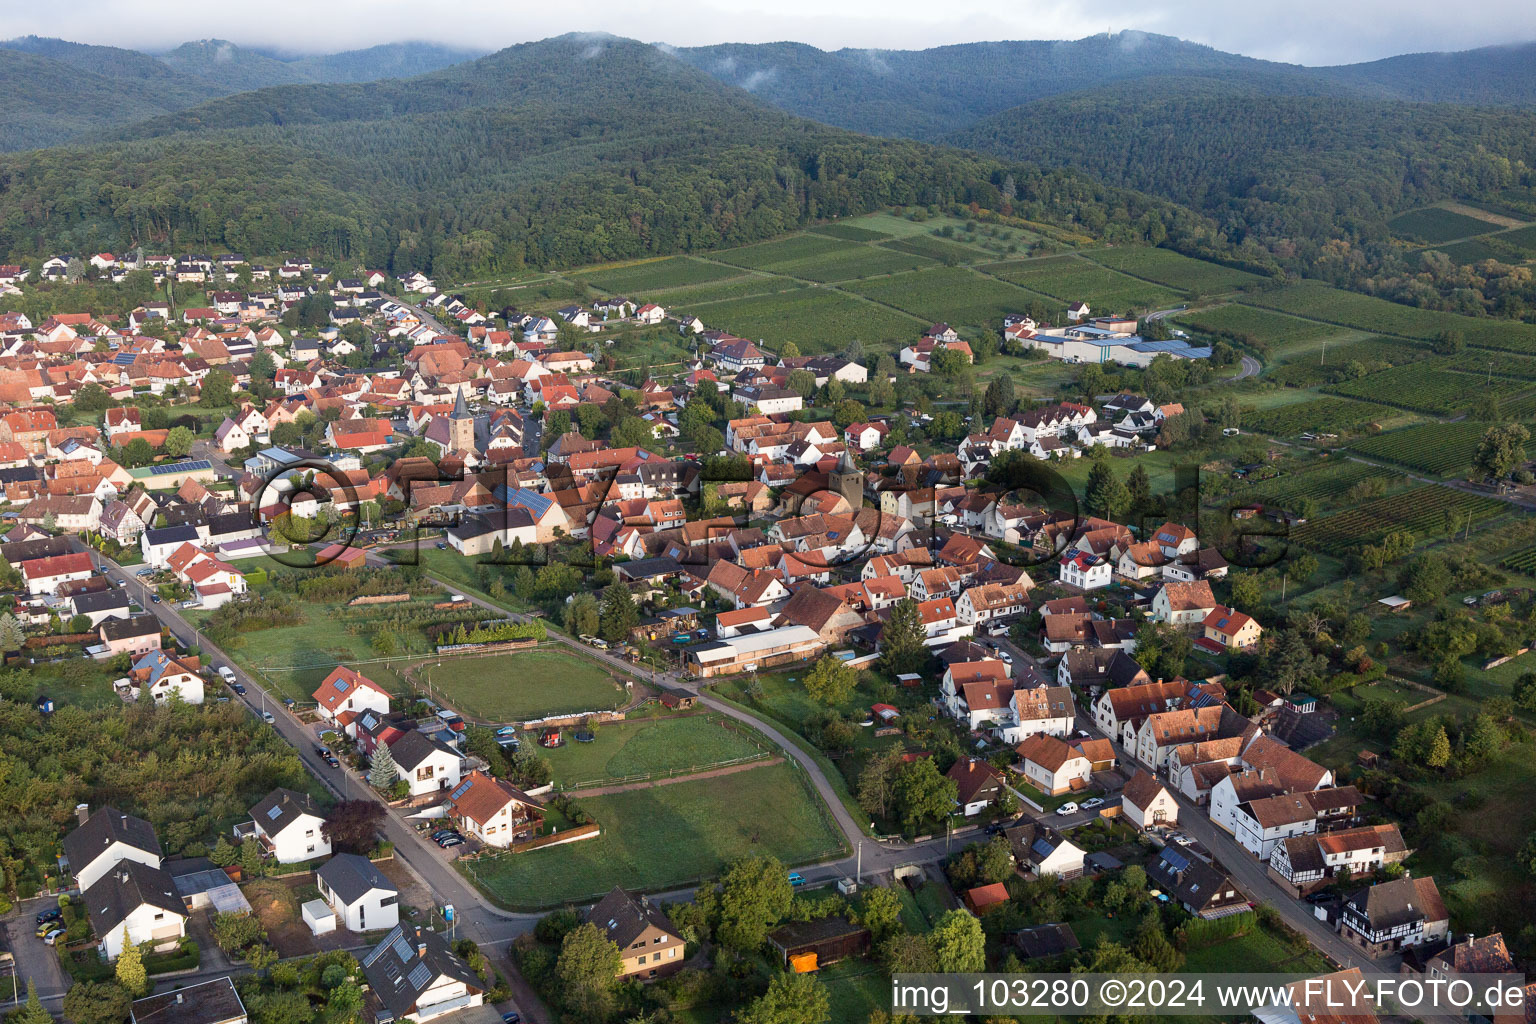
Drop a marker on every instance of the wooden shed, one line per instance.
(830, 938)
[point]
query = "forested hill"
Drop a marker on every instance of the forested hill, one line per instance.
(57, 91)
(930, 94)
(1301, 168)
(559, 153)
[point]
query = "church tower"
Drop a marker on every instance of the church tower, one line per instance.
(461, 426)
(845, 479)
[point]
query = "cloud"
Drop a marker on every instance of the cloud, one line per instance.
(759, 78)
(1303, 31)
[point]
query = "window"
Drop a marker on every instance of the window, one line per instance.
(658, 940)
(641, 960)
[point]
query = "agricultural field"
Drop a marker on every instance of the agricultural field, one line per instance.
(1275, 332)
(1333, 305)
(1322, 483)
(1441, 448)
(1069, 279)
(523, 685)
(1333, 414)
(1434, 224)
(1175, 270)
(655, 275)
(850, 232)
(660, 745)
(953, 295)
(1427, 511)
(669, 836)
(1521, 241)
(742, 287)
(1425, 389)
(937, 249)
(1521, 561)
(783, 252)
(853, 263)
(816, 319)
(1473, 250)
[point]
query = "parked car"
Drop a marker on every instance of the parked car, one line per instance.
(239, 688)
(796, 878)
(1007, 658)
(451, 841)
(266, 716)
(54, 936)
(1093, 803)
(46, 927)
(1315, 898)
(444, 833)
(154, 598)
(1067, 808)
(511, 1017)
(226, 673)
(1082, 734)
(1179, 838)
(442, 546)
(49, 915)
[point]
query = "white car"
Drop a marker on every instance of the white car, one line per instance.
(1067, 808)
(1092, 804)
(1180, 838)
(266, 716)
(1007, 658)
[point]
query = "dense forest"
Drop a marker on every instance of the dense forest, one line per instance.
(1310, 179)
(553, 154)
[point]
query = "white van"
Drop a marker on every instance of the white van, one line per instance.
(226, 673)
(1067, 808)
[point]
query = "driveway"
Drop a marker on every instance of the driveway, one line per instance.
(35, 962)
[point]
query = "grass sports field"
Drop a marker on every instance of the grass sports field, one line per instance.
(524, 685)
(653, 746)
(668, 837)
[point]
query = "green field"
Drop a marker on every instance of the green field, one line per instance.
(784, 252)
(1250, 325)
(524, 685)
(654, 275)
(1071, 278)
(953, 295)
(1333, 305)
(815, 319)
(1174, 269)
(1427, 389)
(938, 249)
(1322, 483)
(1473, 250)
(650, 746)
(1436, 225)
(1330, 414)
(1521, 241)
(682, 300)
(1441, 448)
(668, 837)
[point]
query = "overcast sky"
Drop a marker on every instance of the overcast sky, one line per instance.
(1300, 31)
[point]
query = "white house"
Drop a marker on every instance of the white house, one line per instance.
(159, 676)
(1042, 710)
(426, 764)
(363, 899)
(1043, 850)
(106, 839)
(347, 693)
(289, 826)
(138, 902)
(1146, 802)
(1183, 604)
(1085, 570)
(1051, 766)
(492, 811)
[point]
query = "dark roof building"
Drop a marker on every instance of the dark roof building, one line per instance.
(212, 1002)
(1195, 885)
(411, 962)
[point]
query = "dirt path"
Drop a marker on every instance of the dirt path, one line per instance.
(712, 773)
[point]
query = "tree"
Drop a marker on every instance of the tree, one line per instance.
(130, 968)
(880, 912)
(877, 782)
(903, 642)
(1152, 947)
(32, 1012)
(1106, 494)
(1502, 449)
(1524, 691)
(79, 624)
(790, 999)
(1437, 754)
(958, 943)
(179, 441)
(632, 432)
(582, 615)
(218, 390)
(1000, 397)
(1138, 489)
(754, 895)
(830, 682)
(789, 350)
(353, 826)
(619, 614)
(1301, 567)
(223, 853)
(588, 969)
(382, 773)
(922, 794)
(1448, 343)
(92, 398)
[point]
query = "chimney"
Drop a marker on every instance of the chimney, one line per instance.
(971, 765)
(82, 812)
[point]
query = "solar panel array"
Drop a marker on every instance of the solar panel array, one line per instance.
(462, 789)
(1175, 859)
(419, 976)
(180, 467)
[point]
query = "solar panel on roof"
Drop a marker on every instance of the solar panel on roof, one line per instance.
(341, 685)
(1175, 859)
(463, 788)
(180, 467)
(402, 949)
(1042, 847)
(274, 812)
(419, 976)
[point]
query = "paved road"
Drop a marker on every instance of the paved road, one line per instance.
(1251, 366)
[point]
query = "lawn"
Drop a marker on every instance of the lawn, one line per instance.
(1257, 952)
(1073, 278)
(815, 319)
(1173, 269)
(524, 685)
(77, 681)
(668, 837)
(647, 746)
